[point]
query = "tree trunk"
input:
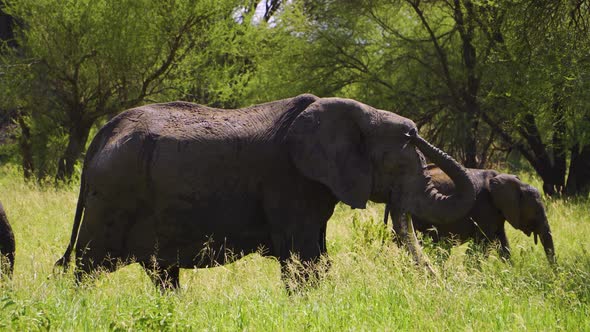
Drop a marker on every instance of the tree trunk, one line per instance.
(78, 135)
(6, 27)
(552, 174)
(465, 23)
(472, 131)
(578, 180)
(26, 148)
(558, 144)
(553, 183)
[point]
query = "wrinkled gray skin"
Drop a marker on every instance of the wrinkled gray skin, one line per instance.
(7, 244)
(180, 185)
(500, 197)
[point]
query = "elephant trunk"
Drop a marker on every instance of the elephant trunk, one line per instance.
(544, 233)
(433, 205)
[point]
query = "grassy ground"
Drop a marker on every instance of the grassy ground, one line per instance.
(371, 286)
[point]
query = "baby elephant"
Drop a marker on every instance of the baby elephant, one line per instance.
(6, 245)
(499, 198)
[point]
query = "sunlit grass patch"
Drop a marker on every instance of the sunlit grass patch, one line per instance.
(371, 285)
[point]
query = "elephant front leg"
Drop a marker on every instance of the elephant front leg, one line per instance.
(409, 234)
(164, 277)
(405, 233)
(301, 258)
(399, 237)
(403, 229)
(399, 229)
(504, 249)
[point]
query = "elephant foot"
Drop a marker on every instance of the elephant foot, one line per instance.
(298, 275)
(6, 265)
(89, 268)
(164, 278)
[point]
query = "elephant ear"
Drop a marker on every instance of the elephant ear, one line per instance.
(507, 195)
(327, 144)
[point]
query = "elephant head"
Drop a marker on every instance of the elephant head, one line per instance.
(521, 205)
(362, 154)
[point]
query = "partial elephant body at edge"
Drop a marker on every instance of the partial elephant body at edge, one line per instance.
(7, 245)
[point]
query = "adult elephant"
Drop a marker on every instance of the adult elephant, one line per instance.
(181, 185)
(500, 197)
(7, 245)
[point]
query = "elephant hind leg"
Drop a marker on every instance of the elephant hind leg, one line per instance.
(164, 277)
(90, 267)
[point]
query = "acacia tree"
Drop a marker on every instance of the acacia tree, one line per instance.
(542, 70)
(418, 58)
(87, 60)
(8, 101)
(522, 66)
(451, 39)
(477, 76)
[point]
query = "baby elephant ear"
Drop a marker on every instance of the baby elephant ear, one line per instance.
(327, 145)
(506, 195)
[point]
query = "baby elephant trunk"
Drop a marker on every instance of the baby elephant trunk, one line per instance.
(544, 233)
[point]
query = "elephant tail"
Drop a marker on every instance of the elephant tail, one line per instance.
(64, 261)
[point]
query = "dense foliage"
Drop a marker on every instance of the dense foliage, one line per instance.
(482, 78)
(77, 63)
(488, 81)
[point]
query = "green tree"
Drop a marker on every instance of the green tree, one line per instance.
(418, 58)
(479, 77)
(85, 61)
(542, 67)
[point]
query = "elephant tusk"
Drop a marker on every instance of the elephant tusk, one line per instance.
(410, 135)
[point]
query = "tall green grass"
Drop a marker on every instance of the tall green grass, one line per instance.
(372, 284)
